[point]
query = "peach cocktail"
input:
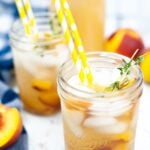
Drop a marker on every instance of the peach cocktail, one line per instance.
(96, 118)
(36, 63)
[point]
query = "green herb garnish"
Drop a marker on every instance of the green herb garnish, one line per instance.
(139, 60)
(55, 26)
(124, 72)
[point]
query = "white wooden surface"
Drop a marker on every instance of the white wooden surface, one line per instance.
(46, 133)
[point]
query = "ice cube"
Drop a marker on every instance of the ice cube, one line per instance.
(106, 76)
(74, 116)
(100, 107)
(49, 60)
(74, 119)
(99, 121)
(76, 83)
(116, 128)
(107, 125)
(28, 62)
(119, 112)
(107, 108)
(119, 107)
(34, 64)
(76, 129)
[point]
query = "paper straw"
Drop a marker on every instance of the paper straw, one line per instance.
(77, 38)
(68, 23)
(30, 15)
(69, 40)
(74, 30)
(23, 17)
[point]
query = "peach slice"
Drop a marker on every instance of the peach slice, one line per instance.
(10, 125)
(121, 146)
(39, 108)
(130, 83)
(98, 87)
(145, 66)
(41, 84)
(125, 136)
(49, 98)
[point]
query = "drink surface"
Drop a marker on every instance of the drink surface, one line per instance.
(100, 123)
(89, 17)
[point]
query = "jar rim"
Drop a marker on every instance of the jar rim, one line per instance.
(14, 34)
(63, 84)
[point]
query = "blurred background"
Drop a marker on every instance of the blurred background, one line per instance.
(125, 13)
(133, 14)
(129, 13)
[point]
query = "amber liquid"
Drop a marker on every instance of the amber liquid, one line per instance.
(87, 130)
(36, 78)
(37, 99)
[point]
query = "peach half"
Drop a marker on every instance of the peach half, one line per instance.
(145, 66)
(10, 125)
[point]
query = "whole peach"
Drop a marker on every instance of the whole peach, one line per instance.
(125, 41)
(10, 126)
(145, 66)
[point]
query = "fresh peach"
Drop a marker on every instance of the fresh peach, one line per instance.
(124, 41)
(125, 136)
(10, 125)
(145, 66)
(121, 146)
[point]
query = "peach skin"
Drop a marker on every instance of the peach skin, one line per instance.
(10, 125)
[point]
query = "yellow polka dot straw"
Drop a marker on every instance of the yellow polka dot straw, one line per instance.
(27, 17)
(73, 40)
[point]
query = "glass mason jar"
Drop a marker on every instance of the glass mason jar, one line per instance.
(36, 63)
(99, 120)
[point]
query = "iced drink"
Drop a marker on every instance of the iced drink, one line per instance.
(36, 64)
(94, 118)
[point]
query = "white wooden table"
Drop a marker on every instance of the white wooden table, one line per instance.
(46, 133)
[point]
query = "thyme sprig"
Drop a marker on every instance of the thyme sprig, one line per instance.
(124, 72)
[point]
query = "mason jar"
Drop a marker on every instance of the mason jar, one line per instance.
(99, 119)
(36, 63)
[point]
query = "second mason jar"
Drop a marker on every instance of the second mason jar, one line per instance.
(36, 63)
